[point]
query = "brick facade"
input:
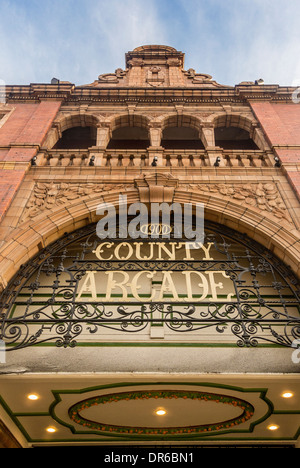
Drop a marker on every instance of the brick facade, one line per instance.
(178, 136)
(154, 92)
(21, 136)
(281, 124)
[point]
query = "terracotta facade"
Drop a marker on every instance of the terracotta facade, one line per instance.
(154, 92)
(251, 183)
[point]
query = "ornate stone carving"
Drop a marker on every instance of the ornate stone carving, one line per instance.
(265, 197)
(156, 188)
(112, 77)
(155, 76)
(197, 77)
(174, 62)
(136, 62)
(47, 196)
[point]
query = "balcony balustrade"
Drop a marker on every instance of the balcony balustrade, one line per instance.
(164, 158)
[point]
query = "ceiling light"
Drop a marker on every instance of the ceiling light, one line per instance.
(287, 395)
(33, 397)
(51, 430)
(161, 412)
(273, 427)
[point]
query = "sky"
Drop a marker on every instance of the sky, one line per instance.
(77, 40)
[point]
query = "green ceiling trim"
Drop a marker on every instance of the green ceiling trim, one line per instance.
(247, 413)
(198, 436)
(225, 436)
(156, 344)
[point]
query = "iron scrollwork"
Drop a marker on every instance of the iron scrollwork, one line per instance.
(41, 304)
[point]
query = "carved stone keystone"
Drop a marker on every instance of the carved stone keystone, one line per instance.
(156, 188)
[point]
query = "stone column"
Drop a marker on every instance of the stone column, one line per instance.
(103, 134)
(103, 138)
(208, 135)
(155, 134)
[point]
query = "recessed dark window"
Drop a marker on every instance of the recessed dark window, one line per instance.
(234, 138)
(129, 138)
(77, 138)
(181, 138)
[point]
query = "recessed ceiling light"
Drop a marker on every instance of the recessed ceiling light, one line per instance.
(273, 427)
(161, 412)
(287, 395)
(51, 430)
(33, 397)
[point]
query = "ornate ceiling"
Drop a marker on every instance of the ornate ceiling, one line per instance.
(102, 410)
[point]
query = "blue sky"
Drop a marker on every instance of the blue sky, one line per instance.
(76, 40)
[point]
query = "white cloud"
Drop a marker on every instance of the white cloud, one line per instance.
(76, 40)
(124, 25)
(239, 40)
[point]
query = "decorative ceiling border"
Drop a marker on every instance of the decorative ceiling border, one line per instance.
(247, 412)
(191, 437)
(173, 437)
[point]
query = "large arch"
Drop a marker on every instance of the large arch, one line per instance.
(181, 131)
(181, 120)
(245, 123)
(35, 234)
(129, 120)
(129, 131)
(65, 122)
(75, 279)
(233, 120)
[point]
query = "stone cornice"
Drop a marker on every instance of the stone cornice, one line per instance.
(68, 92)
(39, 92)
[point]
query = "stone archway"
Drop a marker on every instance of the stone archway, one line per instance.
(38, 231)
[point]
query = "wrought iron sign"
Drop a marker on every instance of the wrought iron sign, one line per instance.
(81, 289)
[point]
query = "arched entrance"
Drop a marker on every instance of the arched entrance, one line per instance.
(228, 290)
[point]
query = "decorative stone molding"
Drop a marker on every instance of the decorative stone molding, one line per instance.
(159, 188)
(264, 196)
(47, 196)
(156, 188)
(112, 77)
(155, 76)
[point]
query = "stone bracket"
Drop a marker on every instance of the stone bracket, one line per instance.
(156, 188)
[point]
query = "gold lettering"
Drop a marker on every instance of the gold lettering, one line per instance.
(99, 250)
(88, 287)
(135, 287)
(126, 245)
(171, 253)
(207, 251)
(112, 284)
(204, 285)
(138, 250)
(164, 250)
(215, 285)
(168, 286)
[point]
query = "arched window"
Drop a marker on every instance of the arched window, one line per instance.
(232, 138)
(181, 138)
(129, 138)
(77, 138)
